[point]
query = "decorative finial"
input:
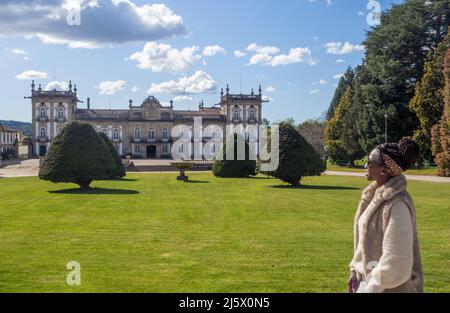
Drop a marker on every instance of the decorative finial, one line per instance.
(40, 88)
(171, 103)
(32, 85)
(260, 90)
(228, 89)
(88, 103)
(253, 92)
(130, 103)
(70, 85)
(75, 88)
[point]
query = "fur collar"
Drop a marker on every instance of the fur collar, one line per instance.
(389, 190)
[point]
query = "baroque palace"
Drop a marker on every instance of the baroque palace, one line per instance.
(147, 130)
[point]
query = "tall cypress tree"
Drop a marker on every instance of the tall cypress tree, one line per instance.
(428, 101)
(441, 131)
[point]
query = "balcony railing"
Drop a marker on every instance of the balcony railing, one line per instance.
(61, 119)
(42, 118)
(42, 139)
(116, 140)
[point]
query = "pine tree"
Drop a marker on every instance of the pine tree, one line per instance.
(345, 81)
(441, 131)
(395, 55)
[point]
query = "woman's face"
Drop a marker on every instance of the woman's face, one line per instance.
(375, 170)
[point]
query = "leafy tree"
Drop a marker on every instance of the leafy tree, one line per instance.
(297, 157)
(313, 132)
(235, 167)
(77, 155)
(428, 101)
(441, 131)
(120, 170)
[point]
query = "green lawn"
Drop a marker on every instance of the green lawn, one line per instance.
(151, 233)
(359, 169)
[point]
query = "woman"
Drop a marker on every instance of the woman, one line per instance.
(386, 252)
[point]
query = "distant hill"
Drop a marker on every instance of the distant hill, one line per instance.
(25, 127)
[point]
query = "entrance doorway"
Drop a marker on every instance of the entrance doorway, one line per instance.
(151, 151)
(42, 150)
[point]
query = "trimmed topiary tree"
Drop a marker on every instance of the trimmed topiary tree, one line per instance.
(234, 168)
(120, 170)
(297, 157)
(77, 155)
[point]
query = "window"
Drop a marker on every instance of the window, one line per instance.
(151, 134)
(251, 114)
(164, 134)
(165, 148)
(116, 134)
(137, 149)
(236, 114)
(43, 133)
(42, 112)
(105, 131)
(58, 130)
(61, 113)
(137, 134)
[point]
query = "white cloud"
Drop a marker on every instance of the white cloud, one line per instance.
(267, 98)
(340, 61)
(271, 89)
(338, 76)
(210, 51)
(360, 13)
(269, 55)
(182, 98)
(102, 23)
(32, 74)
(320, 82)
(239, 54)
(135, 89)
(111, 87)
(164, 58)
(58, 85)
(342, 48)
(18, 51)
(199, 82)
(314, 91)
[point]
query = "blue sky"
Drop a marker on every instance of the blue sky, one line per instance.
(128, 49)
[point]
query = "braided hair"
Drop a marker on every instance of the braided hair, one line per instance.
(405, 153)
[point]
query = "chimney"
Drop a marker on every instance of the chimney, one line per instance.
(88, 103)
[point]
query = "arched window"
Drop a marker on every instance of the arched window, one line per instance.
(42, 112)
(236, 114)
(137, 134)
(105, 131)
(151, 134)
(251, 115)
(43, 133)
(58, 130)
(164, 134)
(116, 134)
(61, 113)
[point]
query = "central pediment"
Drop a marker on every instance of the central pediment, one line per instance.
(151, 108)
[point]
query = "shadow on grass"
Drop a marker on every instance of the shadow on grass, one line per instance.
(312, 187)
(197, 182)
(125, 179)
(96, 191)
(260, 177)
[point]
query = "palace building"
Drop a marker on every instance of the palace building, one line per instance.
(146, 130)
